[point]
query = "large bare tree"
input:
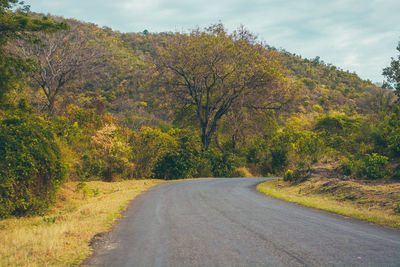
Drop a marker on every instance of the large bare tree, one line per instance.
(61, 58)
(211, 72)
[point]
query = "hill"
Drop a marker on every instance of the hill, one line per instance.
(124, 80)
(207, 102)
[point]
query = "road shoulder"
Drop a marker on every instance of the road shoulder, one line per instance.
(373, 203)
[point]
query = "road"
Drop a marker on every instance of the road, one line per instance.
(226, 222)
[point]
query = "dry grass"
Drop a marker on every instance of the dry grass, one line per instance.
(366, 201)
(243, 172)
(61, 237)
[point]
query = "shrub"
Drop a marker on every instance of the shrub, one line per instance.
(204, 168)
(297, 175)
(308, 147)
(91, 166)
(341, 132)
(111, 152)
(148, 145)
(181, 157)
(288, 175)
(387, 136)
(276, 158)
(31, 169)
(279, 157)
(346, 166)
(372, 166)
(223, 164)
(173, 165)
(255, 155)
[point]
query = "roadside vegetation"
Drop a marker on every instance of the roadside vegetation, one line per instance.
(61, 236)
(84, 107)
(366, 200)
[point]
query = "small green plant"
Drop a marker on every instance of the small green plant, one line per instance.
(288, 175)
(299, 174)
(49, 220)
(95, 192)
(81, 186)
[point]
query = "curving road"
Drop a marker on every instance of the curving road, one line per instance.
(226, 222)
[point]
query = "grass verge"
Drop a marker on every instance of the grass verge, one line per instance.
(367, 201)
(61, 237)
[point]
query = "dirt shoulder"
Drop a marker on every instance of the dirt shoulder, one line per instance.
(377, 202)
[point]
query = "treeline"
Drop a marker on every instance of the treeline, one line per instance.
(81, 103)
(357, 147)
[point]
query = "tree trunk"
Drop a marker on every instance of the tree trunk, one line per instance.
(204, 139)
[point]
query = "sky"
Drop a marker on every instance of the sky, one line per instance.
(356, 35)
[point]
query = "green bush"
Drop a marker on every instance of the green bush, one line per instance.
(285, 148)
(148, 145)
(204, 168)
(91, 166)
(308, 147)
(288, 175)
(341, 132)
(392, 127)
(386, 135)
(181, 157)
(298, 175)
(346, 166)
(256, 156)
(279, 157)
(31, 169)
(372, 167)
(223, 164)
(275, 157)
(173, 165)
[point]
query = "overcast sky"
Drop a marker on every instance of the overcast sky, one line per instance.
(355, 35)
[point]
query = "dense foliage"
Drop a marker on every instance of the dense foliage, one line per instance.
(31, 168)
(177, 105)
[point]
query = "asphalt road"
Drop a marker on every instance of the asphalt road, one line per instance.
(226, 222)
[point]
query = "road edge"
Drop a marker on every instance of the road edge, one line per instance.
(315, 206)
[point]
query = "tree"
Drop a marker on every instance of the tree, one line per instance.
(17, 25)
(148, 146)
(112, 149)
(392, 74)
(61, 58)
(210, 71)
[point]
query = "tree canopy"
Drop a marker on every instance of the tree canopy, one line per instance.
(392, 73)
(18, 25)
(210, 71)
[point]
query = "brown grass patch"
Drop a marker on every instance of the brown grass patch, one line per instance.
(374, 202)
(61, 237)
(243, 172)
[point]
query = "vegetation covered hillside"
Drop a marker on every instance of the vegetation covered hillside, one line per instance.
(332, 89)
(84, 103)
